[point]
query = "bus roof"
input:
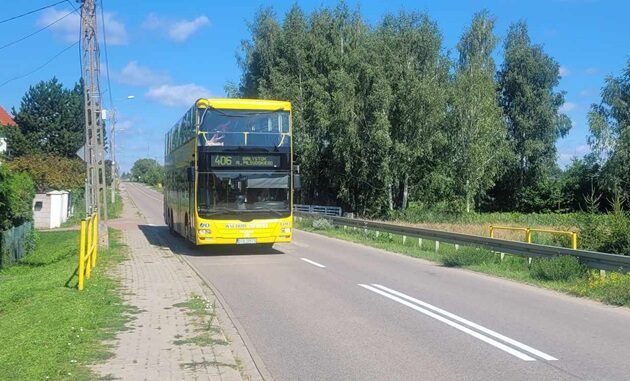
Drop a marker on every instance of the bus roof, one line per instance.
(243, 104)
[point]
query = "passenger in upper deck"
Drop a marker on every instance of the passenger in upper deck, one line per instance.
(219, 135)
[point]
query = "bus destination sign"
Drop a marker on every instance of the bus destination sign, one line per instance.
(261, 161)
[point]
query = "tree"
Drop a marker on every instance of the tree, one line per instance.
(147, 171)
(410, 47)
(50, 121)
(477, 140)
(609, 124)
(527, 80)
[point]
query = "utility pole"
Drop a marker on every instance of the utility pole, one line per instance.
(94, 131)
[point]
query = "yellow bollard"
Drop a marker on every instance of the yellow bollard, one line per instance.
(95, 239)
(82, 255)
(491, 231)
(574, 240)
(88, 248)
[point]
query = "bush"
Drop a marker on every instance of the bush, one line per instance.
(16, 198)
(51, 172)
(322, 224)
(467, 257)
(561, 268)
(610, 235)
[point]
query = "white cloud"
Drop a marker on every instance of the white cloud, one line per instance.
(591, 71)
(124, 125)
(176, 30)
(585, 93)
(67, 24)
(116, 31)
(564, 71)
(177, 95)
(569, 154)
(67, 28)
(138, 75)
(184, 29)
(568, 106)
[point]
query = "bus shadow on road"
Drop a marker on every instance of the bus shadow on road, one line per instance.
(160, 236)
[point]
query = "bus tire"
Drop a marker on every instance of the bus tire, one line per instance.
(265, 246)
(171, 225)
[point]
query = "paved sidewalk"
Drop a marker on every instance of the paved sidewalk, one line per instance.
(175, 334)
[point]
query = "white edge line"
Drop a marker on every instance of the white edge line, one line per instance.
(469, 323)
(460, 327)
(313, 262)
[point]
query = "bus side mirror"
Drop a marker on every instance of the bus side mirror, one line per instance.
(190, 173)
(297, 182)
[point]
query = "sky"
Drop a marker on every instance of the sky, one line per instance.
(165, 54)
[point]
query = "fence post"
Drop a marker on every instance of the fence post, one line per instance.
(377, 233)
(574, 240)
(420, 242)
(404, 239)
(456, 247)
(528, 238)
(437, 246)
(82, 256)
(491, 231)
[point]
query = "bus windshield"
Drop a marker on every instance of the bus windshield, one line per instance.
(237, 192)
(259, 128)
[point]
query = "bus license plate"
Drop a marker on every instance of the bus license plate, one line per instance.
(245, 241)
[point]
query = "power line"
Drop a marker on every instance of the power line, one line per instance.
(109, 84)
(73, 7)
(41, 66)
(31, 12)
(112, 142)
(37, 31)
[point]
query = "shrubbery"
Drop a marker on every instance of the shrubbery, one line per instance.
(467, 257)
(322, 224)
(51, 172)
(16, 198)
(561, 268)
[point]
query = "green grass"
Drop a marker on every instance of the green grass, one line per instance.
(204, 313)
(48, 329)
(558, 220)
(114, 209)
(560, 274)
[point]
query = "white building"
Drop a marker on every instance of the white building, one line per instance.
(50, 210)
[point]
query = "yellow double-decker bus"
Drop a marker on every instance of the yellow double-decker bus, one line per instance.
(229, 177)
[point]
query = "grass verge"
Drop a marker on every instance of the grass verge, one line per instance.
(48, 329)
(564, 274)
(114, 209)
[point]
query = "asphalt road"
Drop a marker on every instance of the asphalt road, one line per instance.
(324, 309)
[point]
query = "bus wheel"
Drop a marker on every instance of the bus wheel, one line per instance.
(171, 225)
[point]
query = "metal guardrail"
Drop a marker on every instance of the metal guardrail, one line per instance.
(528, 233)
(88, 249)
(332, 211)
(602, 261)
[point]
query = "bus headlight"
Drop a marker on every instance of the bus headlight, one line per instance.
(204, 232)
(285, 230)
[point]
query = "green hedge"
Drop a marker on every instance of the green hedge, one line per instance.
(16, 198)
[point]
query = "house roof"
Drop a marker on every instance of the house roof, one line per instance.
(6, 119)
